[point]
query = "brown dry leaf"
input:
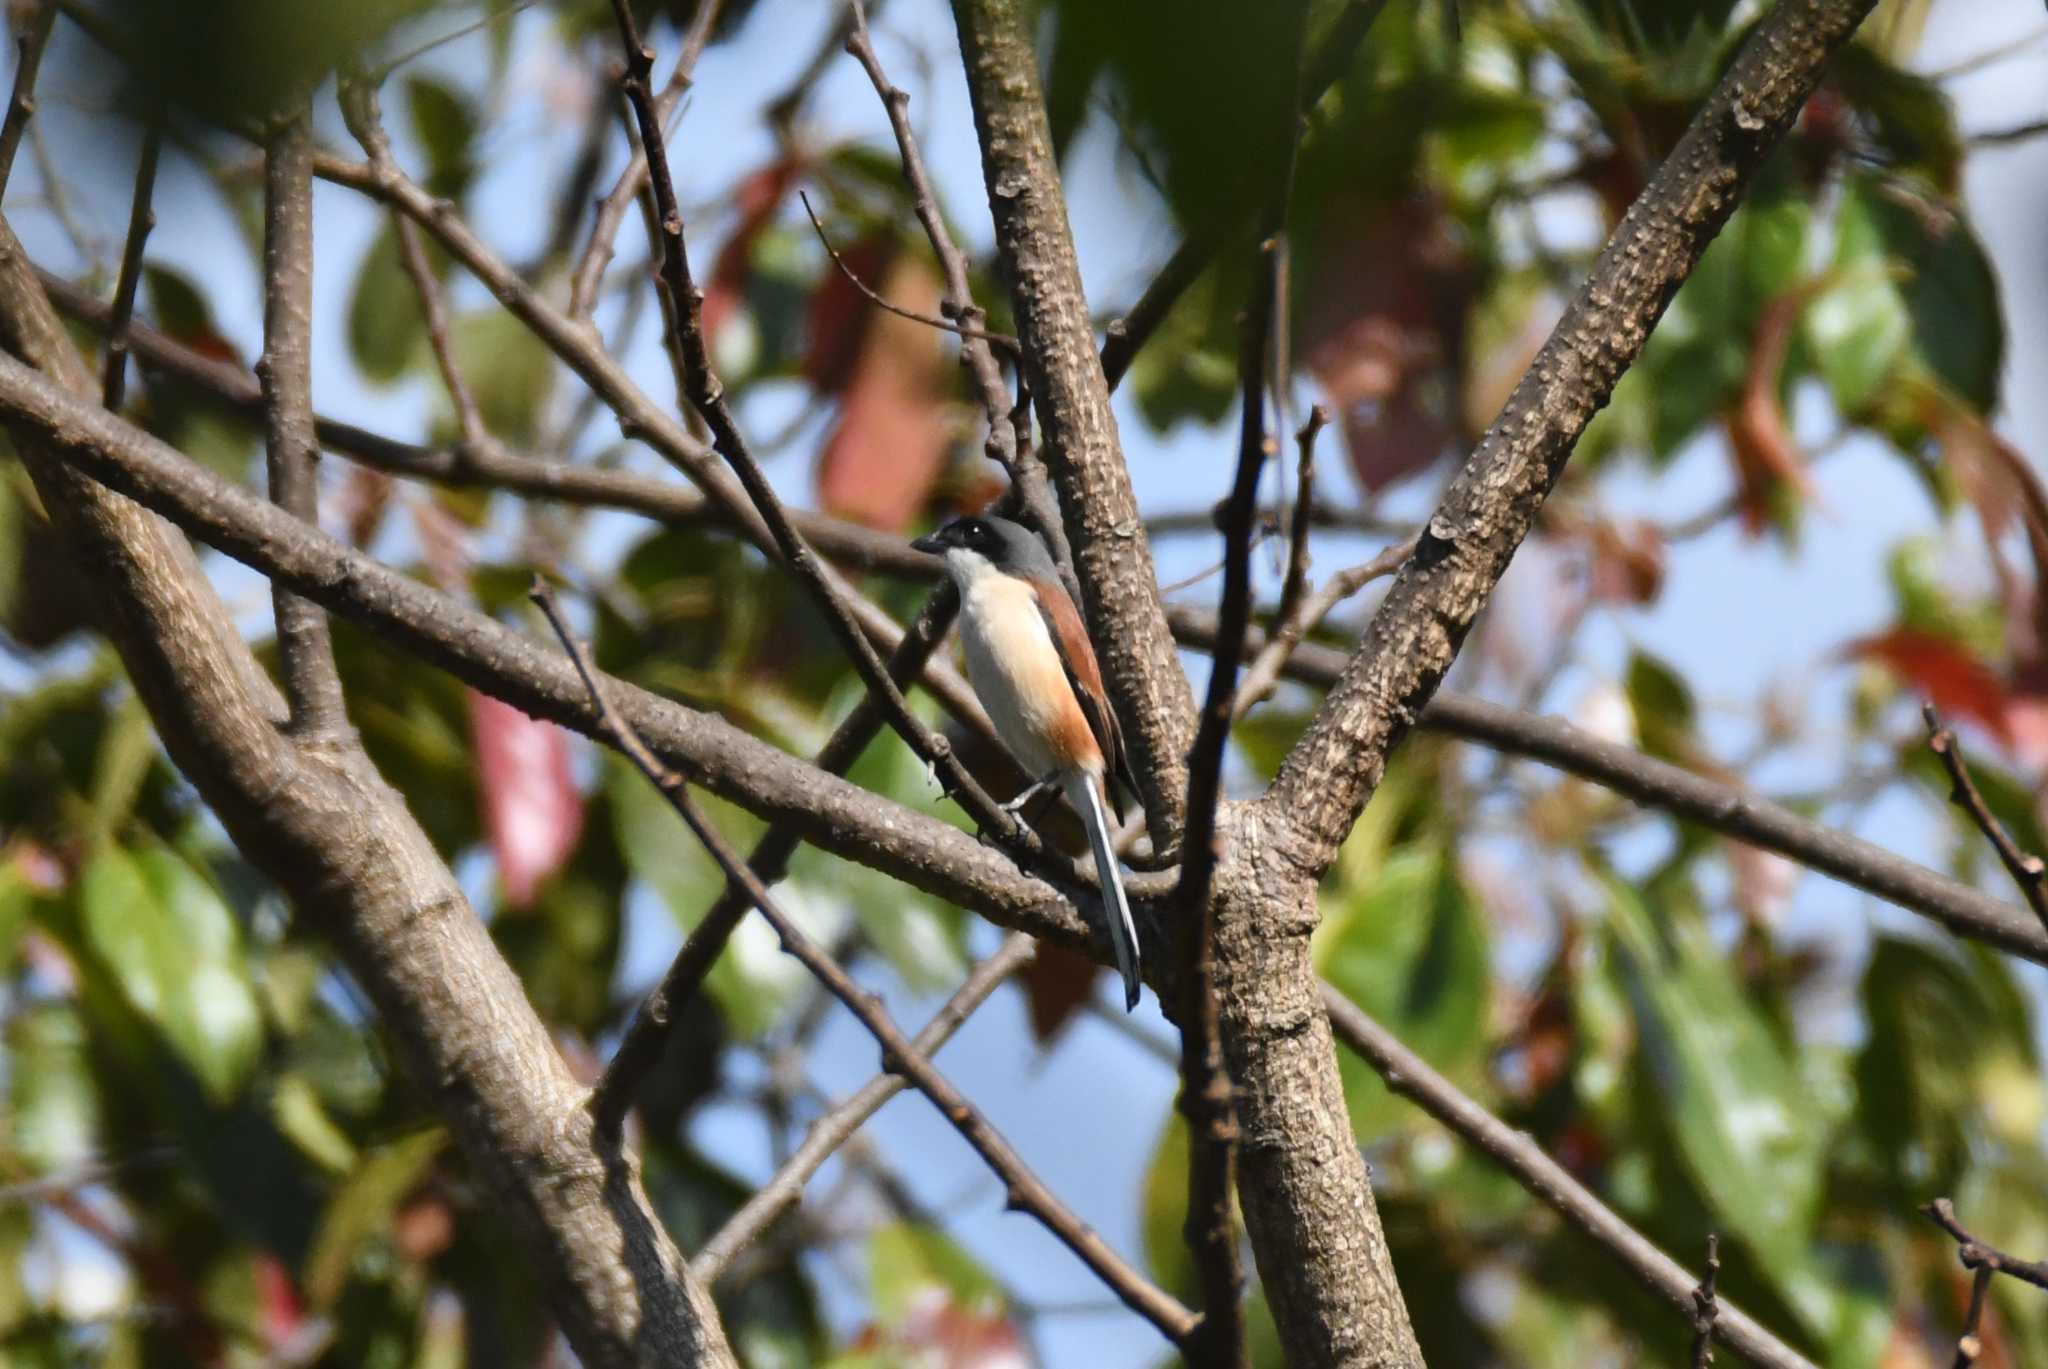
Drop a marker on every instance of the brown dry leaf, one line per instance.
(1384, 333)
(886, 453)
(1056, 983)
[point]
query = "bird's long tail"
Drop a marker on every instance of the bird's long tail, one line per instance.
(1086, 795)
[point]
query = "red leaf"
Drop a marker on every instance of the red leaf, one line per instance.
(283, 1312)
(1625, 561)
(1946, 671)
(880, 463)
(1759, 439)
(759, 197)
(532, 809)
(839, 314)
(1056, 984)
(1383, 332)
(937, 1332)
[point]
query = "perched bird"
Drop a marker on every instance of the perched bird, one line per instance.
(1029, 660)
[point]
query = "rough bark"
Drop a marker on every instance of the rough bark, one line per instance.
(1419, 626)
(1305, 1188)
(1112, 556)
(341, 844)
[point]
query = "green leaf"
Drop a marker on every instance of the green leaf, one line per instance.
(173, 950)
(362, 1207)
(1947, 283)
(510, 371)
(386, 330)
(754, 981)
(1411, 950)
(904, 1260)
(1662, 703)
(446, 126)
(53, 1098)
(1737, 1110)
(1858, 329)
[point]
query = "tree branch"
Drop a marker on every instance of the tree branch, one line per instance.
(1976, 1255)
(29, 45)
(339, 842)
(1407, 1074)
(2028, 871)
(1421, 623)
(838, 1126)
(1706, 1309)
(1112, 558)
(1730, 809)
(588, 276)
(1007, 446)
(1024, 1190)
(312, 686)
(839, 817)
(1207, 1099)
(141, 219)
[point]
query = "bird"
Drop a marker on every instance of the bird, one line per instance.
(1031, 664)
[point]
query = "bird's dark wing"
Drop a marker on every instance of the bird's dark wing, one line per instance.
(1084, 677)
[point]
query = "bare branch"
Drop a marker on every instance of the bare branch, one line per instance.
(412, 255)
(1706, 1311)
(1489, 508)
(489, 463)
(1976, 1255)
(1112, 560)
(1295, 581)
(311, 684)
(1024, 1190)
(2028, 871)
(141, 219)
(838, 1126)
(1002, 340)
(1008, 444)
(1550, 1183)
(588, 277)
(342, 847)
(1730, 809)
(34, 37)
(1271, 661)
(1207, 1099)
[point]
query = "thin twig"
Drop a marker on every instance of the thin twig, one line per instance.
(1975, 1254)
(2028, 871)
(412, 255)
(141, 219)
(1207, 1099)
(1409, 1075)
(1705, 1309)
(1970, 1344)
(494, 15)
(1007, 444)
(1295, 582)
(1267, 667)
(588, 277)
(34, 38)
(1260, 534)
(306, 652)
(835, 1128)
(1002, 340)
(707, 394)
(1023, 1189)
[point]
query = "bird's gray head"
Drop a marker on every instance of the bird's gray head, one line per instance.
(1008, 547)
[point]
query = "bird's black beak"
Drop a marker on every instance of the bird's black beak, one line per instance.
(932, 542)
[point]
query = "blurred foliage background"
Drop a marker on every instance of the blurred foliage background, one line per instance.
(206, 1154)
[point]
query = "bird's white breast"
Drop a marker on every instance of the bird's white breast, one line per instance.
(1011, 660)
